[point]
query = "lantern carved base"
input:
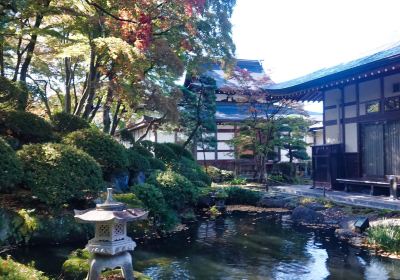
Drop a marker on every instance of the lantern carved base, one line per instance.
(100, 262)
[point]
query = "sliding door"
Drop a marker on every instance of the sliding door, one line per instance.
(392, 147)
(372, 147)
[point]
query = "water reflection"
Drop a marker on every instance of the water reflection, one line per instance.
(242, 247)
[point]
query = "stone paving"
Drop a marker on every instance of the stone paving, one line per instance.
(351, 198)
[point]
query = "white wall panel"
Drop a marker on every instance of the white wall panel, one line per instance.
(351, 138)
(370, 90)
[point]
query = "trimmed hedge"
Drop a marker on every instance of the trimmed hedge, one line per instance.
(56, 173)
(178, 191)
(13, 95)
(11, 270)
(26, 127)
(131, 200)
(238, 195)
(164, 153)
(180, 151)
(10, 167)
(156, 164)
(137, 162)
(65, 123)
(193, 172)
(141, 150)
(152, 198)
(103, 148)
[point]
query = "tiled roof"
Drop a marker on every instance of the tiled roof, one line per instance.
(229, 111)
(224, 83)
(380, 58)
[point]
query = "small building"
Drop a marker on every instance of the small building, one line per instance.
(361, 117)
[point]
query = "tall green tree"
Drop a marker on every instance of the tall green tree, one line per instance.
(197, 112)
(292, 131)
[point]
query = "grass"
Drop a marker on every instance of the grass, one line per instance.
(385, 237)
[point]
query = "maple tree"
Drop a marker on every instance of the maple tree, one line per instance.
(117, 57)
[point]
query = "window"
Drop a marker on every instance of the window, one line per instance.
(392, 103)
(396, 87)
(373, 107)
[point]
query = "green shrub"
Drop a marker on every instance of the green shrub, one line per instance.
(76, 267)
(13, 95)
(164, 153)
(65, 123)
(192, 171)
(178, 191)
(156, 164)
(141, 150)
(153, 200)
(238, 181)
(103, 148)
(137, 162)
(238, 195)
(11, 270)
(385, 237)
(288, 171)
(10, 167)
(130, 199)
(218, 175)
(57, 173)
(179, 150)
(26, 127)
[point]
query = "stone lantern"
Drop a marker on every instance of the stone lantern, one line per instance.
(110, 245)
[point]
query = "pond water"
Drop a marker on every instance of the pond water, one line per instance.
(242, 247)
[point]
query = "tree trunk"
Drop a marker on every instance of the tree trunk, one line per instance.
(31, 45)
(107, 107)
(116, 118)
(2, 71)
(68, 79)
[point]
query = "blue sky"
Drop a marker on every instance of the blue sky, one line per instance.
(296, 37)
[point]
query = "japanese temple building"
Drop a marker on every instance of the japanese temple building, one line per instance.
(361, 117)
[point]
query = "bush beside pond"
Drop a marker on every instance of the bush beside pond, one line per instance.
(237, 195)
(103, 148)
(10, 167)
(64, 123)
(25, 127)
(12, 270)
(77, 267)
(57, 173)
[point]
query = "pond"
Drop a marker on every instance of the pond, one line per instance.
(242, 247)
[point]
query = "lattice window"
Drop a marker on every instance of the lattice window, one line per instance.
(103, 232)
(118, 232)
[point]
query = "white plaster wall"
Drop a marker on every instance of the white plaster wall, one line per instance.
(350, 111)
(165, 137)
(351, 138)
(225, 155)
(362, 109)
(225, 135)
(332, 134)
(369, 90)
(331, 114)
(332, 97)
(224, 146)
(208, 155)
(350, 93)
(284, 158)
(319, 137)
(388, 85)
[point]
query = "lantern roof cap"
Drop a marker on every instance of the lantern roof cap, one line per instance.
(110, 211)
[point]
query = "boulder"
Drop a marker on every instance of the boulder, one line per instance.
(302, 214)
(273, 202)
(120, 181)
